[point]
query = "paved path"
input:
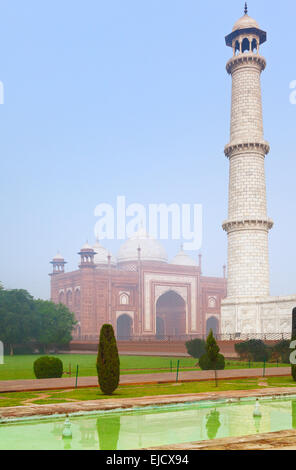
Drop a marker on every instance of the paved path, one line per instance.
(31, 409)
(166, 377)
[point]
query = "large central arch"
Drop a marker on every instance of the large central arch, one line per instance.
(170, 315)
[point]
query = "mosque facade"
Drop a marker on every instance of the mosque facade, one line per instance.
(139, 292)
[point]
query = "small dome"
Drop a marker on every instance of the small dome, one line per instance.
(245, 22)
(182, 259)
(151, 249)
(101, 256)
(87, 247)
(58, 257)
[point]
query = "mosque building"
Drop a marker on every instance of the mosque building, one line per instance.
(140, 293)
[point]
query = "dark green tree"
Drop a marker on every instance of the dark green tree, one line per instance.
(253, 349)
(55, 324)
(108, 365)
(196, 347)
(17, 317)
(281, 351)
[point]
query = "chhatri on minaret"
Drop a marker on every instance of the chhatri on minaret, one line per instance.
(248, 307)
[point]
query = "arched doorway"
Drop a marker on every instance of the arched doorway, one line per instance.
(124, 327)
(170, 315)
(212, 324)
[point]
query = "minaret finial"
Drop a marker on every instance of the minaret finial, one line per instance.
(246, 8)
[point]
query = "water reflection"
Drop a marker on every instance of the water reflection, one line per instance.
(88, 434)
(108, 428)
(67, 444)
(58, 429)
(151, 427)
(257, 423)
(213, 424)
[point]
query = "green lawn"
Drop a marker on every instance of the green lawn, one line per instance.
(21, 367)
(62, 396)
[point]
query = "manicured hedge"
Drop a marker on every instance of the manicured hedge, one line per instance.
(48, 367)
(108, 365)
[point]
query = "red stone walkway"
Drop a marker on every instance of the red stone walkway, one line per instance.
(166, 377)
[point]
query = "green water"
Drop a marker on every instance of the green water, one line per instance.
(143, 428)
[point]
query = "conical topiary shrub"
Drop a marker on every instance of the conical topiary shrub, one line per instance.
(108, 361)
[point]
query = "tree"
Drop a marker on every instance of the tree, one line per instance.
(281, 351)
(254, 349)
(54, 323)
(17, 317)
(196, 347)
(108, 364)
(212, 360)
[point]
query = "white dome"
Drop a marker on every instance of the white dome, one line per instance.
(182, 259)
(58, 257)
(245, 22)
(101, 256)
(86, 246)
(151, 249)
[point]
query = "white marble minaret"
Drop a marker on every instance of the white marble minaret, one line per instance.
(249, 307)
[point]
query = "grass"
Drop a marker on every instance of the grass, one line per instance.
(62, 396)
(21, 367)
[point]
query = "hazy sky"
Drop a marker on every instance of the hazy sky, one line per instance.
(131, 97)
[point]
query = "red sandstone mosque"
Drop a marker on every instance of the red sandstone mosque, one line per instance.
(140, 293)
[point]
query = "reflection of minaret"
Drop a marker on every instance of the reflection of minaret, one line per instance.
(248, 225)
(88, 434)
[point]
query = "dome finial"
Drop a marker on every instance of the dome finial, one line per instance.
(246, 8)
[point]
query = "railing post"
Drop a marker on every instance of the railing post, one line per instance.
(178, 364)
(76, 376)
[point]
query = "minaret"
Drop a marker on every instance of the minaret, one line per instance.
(87, 254)
(248, 308)
(58, 265)
(247, 225)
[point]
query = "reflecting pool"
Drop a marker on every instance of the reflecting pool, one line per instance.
(153, 426)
